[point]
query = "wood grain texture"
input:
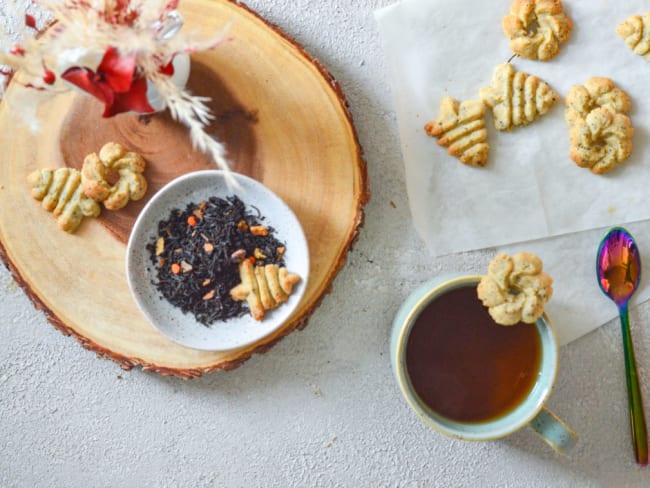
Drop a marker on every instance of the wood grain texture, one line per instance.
(285, 122)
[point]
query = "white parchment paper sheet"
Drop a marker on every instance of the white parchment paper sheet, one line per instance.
(530, 190)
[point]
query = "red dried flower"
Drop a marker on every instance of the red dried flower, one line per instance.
(167, 69)
(114, 83)
(17, 50)
(49, 77)
(30, 21)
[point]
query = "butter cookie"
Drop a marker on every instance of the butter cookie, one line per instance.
(517, 98)
(635, 31)
(129, 166)
(537, 28)
(60, 191)
(461, 129)
(263, 287)
(515, 288)
(600, 132)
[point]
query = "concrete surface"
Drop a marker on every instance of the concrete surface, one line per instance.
(321, 408)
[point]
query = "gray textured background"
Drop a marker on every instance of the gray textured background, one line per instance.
(321, 408)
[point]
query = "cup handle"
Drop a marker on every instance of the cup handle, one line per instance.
(555, 432)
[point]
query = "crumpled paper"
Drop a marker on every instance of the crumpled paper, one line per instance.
(530, 196)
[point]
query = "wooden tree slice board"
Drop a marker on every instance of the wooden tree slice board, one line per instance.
(284, 121)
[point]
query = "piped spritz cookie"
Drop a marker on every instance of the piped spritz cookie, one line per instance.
(635, 31)
(601, 141)
(60, 191)
(461, 129)
(515, 288)
(599, 129)
(517, 98)
(129, 168)
(536, 28)
(597, 92)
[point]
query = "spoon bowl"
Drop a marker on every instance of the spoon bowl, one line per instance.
(618, 268)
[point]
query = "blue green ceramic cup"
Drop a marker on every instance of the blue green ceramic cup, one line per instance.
(530, 411)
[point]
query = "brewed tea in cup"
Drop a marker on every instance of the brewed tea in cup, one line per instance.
(467, 376)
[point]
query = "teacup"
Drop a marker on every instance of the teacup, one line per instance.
(441, 382)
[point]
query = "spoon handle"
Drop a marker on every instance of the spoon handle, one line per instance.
(635, 402)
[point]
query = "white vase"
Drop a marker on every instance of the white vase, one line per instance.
(166, 29)
(181, 63)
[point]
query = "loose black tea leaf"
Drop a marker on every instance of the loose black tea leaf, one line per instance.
(196, 254)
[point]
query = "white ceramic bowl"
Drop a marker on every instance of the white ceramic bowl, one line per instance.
(183, 328)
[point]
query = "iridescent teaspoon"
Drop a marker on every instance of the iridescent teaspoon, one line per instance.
(618, 267)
